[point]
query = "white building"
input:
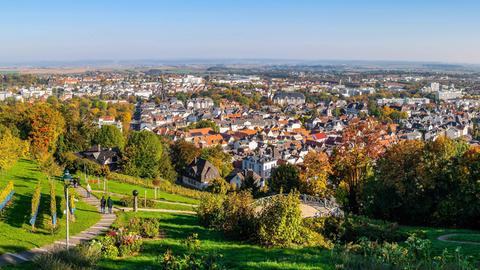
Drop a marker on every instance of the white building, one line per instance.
(260, 165)
(200, 103)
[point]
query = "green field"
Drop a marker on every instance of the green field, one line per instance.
(236, 255)
(15, 231)
(158, 205)
(126, 189)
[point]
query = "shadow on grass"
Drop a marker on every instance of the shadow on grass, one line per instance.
(18, 212)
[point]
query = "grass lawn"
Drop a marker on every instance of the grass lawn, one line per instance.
(438, 246)
(126, 189)
(236, 255)
(158, 205)
(15, 231)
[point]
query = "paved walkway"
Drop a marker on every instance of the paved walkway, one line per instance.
(140, 198)
(129, 209)
(444, 238)
(99, 228)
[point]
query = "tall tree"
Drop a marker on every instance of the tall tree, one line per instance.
(285, 178)
(109, 136)
(315, 175)
(354, 157)
(182, 154)
(143, 154)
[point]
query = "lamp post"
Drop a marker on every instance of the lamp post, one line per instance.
(135, 200)
(67, 178)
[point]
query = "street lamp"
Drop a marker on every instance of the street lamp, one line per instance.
(67, 178)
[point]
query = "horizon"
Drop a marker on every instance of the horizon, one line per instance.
(53, 31)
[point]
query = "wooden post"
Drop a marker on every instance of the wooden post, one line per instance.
(155, 192)
(145, 200)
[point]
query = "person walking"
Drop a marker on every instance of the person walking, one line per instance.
(89, 190)
(103, 202)
(109, 204)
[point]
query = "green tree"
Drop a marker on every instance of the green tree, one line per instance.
(143, 154)
(285, 178)
(109, 136)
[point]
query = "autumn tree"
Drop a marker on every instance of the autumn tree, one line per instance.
(354, 158)
(183, 153)
(315, 175)
(220, 159)
(11, 148)
(44, 125)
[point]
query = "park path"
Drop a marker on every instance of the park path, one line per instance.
(444, 238)
(129, 209)
(97, 229)
(140, 198)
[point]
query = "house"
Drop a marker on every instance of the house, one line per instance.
(289, 98)
(237, 178)
(109, 121)
(199, 173)
(260, 165)
(103, 156)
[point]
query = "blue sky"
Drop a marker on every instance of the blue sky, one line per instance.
(422, 30)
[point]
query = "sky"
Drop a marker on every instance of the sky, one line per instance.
(397, 30)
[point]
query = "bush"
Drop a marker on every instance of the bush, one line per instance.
(209, 211)
(280, 221)
(128, 201)
(352, 228)
(5, 193)
(192, 259)
(120, 243)
(150, 228)
(414, 254)
(53, 205)
(82, 257)
(238, 216)
(35, 203)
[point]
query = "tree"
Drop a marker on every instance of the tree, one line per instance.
(143, 154)
(220, 159)
(11, 148)
(205, 124)
(354, 157)
(218, 186)
(44, 125)
(183, 153)
(280, 221)
(285, 178)
(315, 175)
(109, 136)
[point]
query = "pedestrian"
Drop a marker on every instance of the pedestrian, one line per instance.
(89, 190)
(109, 204)
(103, 202)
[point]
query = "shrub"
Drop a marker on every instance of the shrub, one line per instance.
(280, 221)
(192, 259)
(209, 211)
(128, 201)
(239, 215)
(150, 228)
(82, 257)
(352, 228)
(120, 243)
(35, 203)
(53, 205)
(5, 194)
(414, 254)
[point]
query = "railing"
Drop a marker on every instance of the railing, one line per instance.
(324, 206)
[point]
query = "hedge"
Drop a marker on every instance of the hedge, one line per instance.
(6, 194)
(35, 203)
(53, 204)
